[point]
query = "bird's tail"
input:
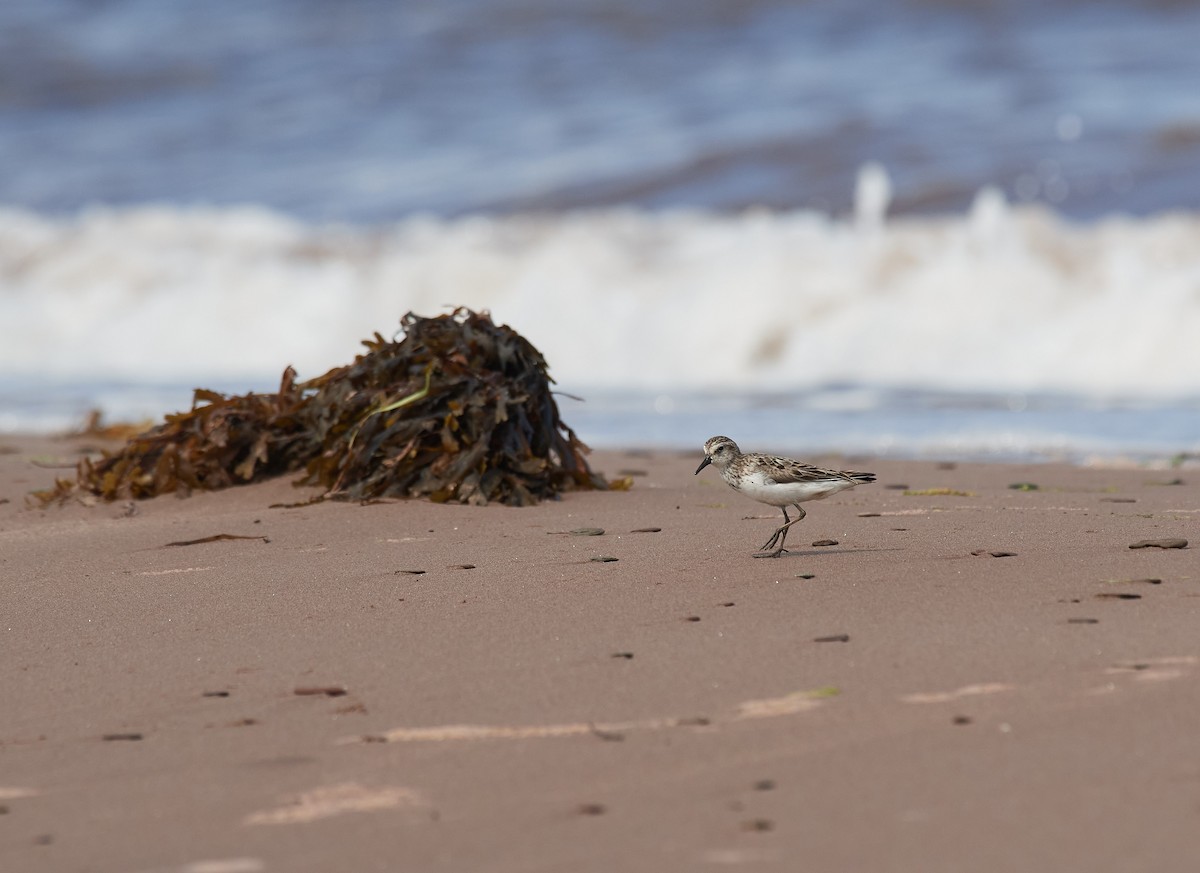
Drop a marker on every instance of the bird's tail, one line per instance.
(861, 478)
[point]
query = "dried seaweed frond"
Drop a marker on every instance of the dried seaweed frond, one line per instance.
(459, 409)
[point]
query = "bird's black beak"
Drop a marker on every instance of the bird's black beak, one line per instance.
(707, 460)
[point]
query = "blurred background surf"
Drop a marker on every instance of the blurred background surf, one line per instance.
(907, 228)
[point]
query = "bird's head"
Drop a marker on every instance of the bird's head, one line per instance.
(719, 450)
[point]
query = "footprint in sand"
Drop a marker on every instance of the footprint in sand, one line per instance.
(772, 707)
(1163, 669)
(331, 800)
(221, 865)
(965, 691)
(1155, 669)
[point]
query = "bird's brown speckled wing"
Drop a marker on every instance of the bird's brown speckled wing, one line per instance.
(785, 470)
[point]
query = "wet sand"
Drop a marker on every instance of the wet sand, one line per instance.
(971, 677)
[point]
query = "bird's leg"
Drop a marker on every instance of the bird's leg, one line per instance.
(775, 536)
(784, 530)
(780, 536)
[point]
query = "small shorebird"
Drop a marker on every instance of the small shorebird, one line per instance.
(775, 481)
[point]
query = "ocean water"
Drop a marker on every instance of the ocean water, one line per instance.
(906, 228)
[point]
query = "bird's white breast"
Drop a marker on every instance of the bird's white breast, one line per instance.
(760, 486)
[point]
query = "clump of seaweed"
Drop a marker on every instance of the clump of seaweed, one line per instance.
(458, 409)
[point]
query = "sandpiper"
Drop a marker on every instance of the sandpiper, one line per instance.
(780, 482)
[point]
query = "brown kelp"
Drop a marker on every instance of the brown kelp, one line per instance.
(458, 409)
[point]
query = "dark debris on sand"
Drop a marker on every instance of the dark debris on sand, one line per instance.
(460, 409)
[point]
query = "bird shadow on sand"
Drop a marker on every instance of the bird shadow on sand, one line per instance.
(812, 553)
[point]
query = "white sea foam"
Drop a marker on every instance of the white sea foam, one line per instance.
(999, 299)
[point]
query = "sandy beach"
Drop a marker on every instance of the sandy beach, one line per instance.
(968, 676)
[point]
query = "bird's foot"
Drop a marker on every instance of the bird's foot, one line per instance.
(775, 554)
